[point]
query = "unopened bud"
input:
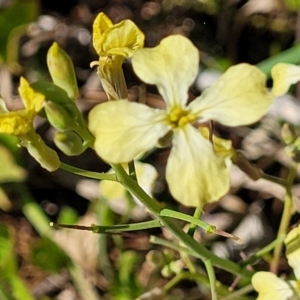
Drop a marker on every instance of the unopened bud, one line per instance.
(288, 133)
(61, 70)
(69, 143)
(58, 116)
(155, 258)
(44, 155)
(293, 150)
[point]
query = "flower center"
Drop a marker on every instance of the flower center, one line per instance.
(179, 117)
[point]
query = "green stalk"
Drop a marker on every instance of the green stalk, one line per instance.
(285, 219)
(193, 226)
(212, 279)
(155, 208)
(88, 174)
(184, 217)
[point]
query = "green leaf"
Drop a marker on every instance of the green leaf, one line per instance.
(9, 170)
(48, 256)
(12, 17)
(8, 267)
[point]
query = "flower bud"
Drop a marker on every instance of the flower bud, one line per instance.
(288, 133)
(61, 70)
(155, 258)
(44, 155)
(69, 143)
(58, 116)
(293, 150)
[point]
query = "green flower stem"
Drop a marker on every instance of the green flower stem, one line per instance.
(85, 134)
(180, 216)
(202, 279)
(274, 179)
(285, 219)
(185, 276)
(193, 226)
(239, 293)
(290, 55)
(131, 170)
(155, 208)
(262, 252)
(88, 174)
(101, 229)
(212, 279)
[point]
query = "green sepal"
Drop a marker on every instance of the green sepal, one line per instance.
(57, 95)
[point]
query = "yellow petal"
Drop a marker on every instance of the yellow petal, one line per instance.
(284, 75)
(238, 97)
(270, 287)
(100, 25)
(123, 130)
(221, 146)
(195, 174)
(172, 66)
(33, 101)
(123, 39)
(15, 123)
(292, 243)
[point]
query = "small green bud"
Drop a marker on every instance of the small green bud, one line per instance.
(58, 116)
(155, 258)
(293, 150)
(44, 155)
(69, 143)
(177, 266)
(61, 70)
(166, 271)
(288, 133)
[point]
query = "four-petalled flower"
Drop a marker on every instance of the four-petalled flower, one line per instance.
(196, 174)
(20, 124)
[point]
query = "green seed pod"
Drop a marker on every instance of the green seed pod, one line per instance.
(69, 143)
(61, 70)
(58, 116)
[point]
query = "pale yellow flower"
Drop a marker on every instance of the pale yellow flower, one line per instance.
(284, 75)
(196, 172)
(19, 122)
(271, 287)
(114, 43)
